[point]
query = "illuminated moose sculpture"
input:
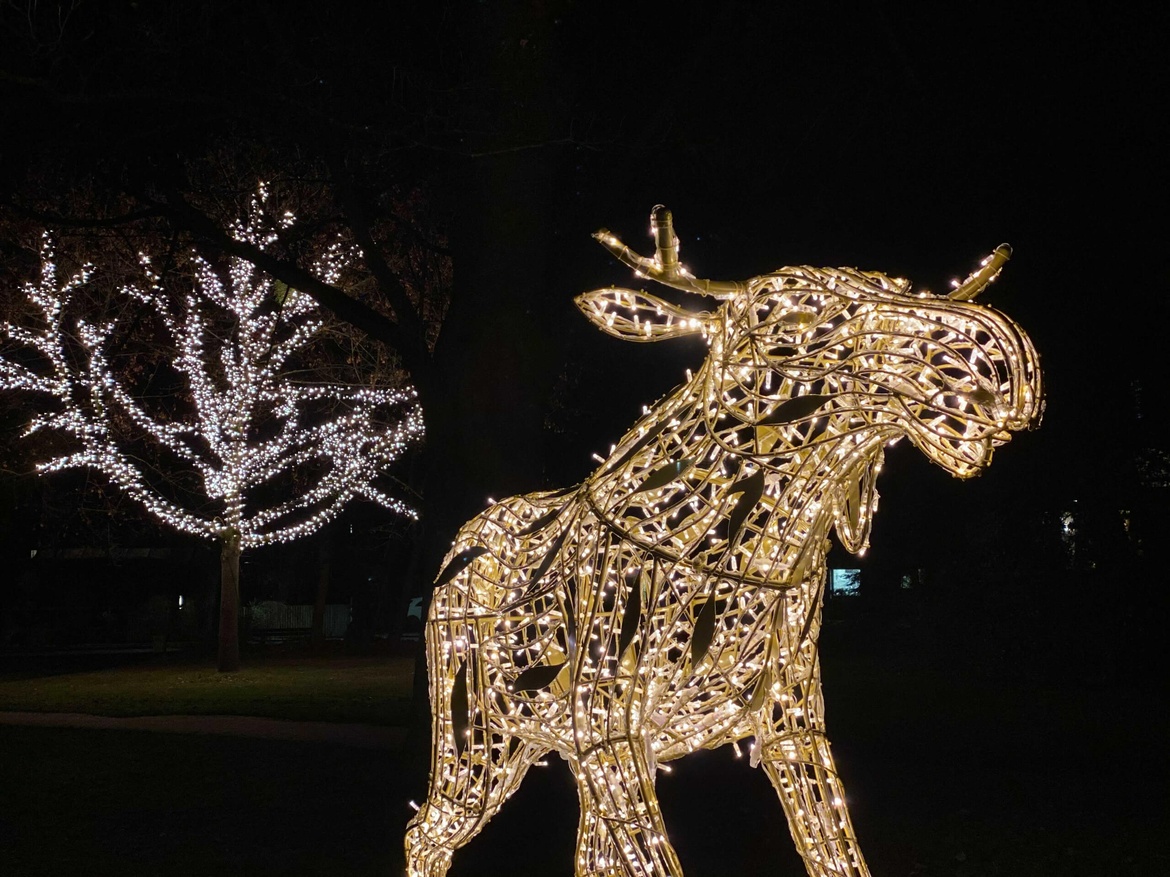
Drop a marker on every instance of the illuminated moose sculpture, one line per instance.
(672, 601)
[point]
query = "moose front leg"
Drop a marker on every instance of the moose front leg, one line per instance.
(796, 756)
(621, 832)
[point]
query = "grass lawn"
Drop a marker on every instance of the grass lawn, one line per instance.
(949, 774)
(95, 802)
(372, 690)
(139, 804)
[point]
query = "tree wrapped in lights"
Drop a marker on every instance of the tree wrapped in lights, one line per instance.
(672, 601)
(275, 459)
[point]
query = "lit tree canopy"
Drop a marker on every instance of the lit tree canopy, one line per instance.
(229, 446)
(248, 423)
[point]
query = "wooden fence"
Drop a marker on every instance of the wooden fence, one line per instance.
(270, 620)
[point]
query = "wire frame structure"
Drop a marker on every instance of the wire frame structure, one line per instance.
(672, 601)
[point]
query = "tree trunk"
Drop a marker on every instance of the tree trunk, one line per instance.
(324, 558)
(229, 602)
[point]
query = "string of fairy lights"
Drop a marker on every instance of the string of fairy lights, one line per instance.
(671, 602)
(247, 423)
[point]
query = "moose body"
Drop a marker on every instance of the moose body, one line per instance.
(672, 601)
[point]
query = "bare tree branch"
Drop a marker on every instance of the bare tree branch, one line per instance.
(57, 220)
(404, 337)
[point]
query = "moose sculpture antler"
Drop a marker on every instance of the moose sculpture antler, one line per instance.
(672, 601)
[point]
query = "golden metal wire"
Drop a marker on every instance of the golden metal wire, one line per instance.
(672, 601)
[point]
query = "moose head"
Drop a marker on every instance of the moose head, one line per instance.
(810, 354)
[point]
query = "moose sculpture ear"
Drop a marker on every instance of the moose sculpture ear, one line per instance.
(639, 316)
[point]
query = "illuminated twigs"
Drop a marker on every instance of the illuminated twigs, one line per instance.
(242, 423)
(672, 601)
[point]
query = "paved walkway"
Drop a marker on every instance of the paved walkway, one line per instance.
(362, 736)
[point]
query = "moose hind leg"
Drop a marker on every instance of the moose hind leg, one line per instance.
(469, 780)
(463, 798)
(621, 832)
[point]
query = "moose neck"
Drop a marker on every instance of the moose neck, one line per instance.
(804, 483)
